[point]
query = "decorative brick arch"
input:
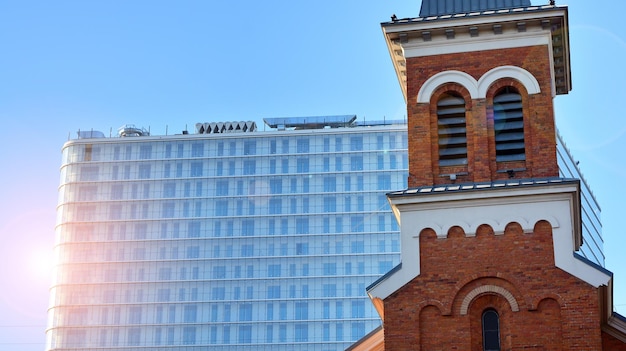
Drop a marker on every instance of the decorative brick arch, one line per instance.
(441, 231)
(431, 302)
(553, 296)
(489, 289)
(492, 223)
(435, 227)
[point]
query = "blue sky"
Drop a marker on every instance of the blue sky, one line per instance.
(165, 65)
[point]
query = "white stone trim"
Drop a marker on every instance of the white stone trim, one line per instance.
(557, 204)
(464, 45)
(437, 80)
(436, 227)
(523, 76)
(495, 226)
(488, 289)
(478, 89)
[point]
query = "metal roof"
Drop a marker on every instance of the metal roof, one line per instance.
(465, 187)
(451, 7)
(470, 14)
(312, 122)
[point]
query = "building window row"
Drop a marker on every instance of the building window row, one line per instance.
(287, 145)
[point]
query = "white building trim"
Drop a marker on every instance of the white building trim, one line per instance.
(523, 76)
(468, 44)
(478, 89)
(441, 78)
(557, 204)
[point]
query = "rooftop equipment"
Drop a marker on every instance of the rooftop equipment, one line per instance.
(130, 130)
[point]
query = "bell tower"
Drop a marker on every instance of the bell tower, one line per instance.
(478, 78)
(489, 233)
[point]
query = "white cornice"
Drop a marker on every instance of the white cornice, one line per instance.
(463, 33)
(557, 204)
(484, 42)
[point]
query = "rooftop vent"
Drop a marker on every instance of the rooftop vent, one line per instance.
(130, 130)
(225, 127)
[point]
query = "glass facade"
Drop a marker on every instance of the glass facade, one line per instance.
(234, 241)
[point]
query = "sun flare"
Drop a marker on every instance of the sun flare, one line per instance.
(41, 264)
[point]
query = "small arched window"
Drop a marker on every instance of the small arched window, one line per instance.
(491, 330)
(452, 130)
(509, 125)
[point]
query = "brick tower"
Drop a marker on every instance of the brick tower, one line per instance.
(489, 232)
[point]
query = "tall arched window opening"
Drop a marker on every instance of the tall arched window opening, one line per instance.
(491, 330)
(509, 125)
(451, 126)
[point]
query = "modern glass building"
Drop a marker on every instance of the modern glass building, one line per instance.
(593, 243)
(232, 238)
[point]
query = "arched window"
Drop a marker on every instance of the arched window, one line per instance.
(452, 130)
(509, 125)
(491, 330)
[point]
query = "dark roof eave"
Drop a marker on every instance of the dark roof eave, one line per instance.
(384, 277)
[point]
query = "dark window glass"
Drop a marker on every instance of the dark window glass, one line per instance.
(491, 330)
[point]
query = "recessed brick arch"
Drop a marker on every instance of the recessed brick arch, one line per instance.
(431, 302)
(549, 296)
(489, 289)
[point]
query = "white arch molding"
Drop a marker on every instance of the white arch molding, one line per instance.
(523, 76)
(478, 88)
(437, 80)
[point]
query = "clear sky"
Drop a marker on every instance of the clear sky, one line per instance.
(166, 65)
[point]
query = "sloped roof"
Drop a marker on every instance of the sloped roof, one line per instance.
(463, 187)
(451, 7)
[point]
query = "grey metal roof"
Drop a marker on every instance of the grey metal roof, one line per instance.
(452, 188)
(451, 7)
(470, 14)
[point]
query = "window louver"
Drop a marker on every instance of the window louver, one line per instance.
(509, 126)
(452, 131)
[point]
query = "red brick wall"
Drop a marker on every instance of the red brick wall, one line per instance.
(556, 310)
(539, 126)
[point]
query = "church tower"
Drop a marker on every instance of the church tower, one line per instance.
(479, 82)
(489, 232)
